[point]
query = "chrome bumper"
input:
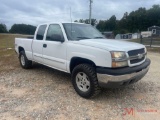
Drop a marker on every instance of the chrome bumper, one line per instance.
(104, 79)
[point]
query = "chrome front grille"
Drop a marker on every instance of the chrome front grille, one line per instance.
(136, 56)
(137, 60)
(136, 52)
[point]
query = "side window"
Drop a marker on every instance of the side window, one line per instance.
(54, 33)
(40, 32)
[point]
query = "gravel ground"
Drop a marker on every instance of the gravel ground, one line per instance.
(43, 93)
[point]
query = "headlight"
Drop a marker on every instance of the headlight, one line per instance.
(118, 55)
(119, 59)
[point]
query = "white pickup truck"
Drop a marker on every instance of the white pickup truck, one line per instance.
(92, 60)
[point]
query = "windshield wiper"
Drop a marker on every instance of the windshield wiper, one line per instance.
(98, 37)
(83, 37)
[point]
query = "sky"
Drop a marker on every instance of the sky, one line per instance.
(35, 12)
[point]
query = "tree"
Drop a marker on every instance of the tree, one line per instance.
(135, 21)
(93, 21)
(3, 28)
(107, 25)
(81, 21)
(111, 23)
(22, 29)
(101, 25)
(153, 15)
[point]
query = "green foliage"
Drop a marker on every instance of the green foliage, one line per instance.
(93, 21)
(135, 21)
(3, 28)
(101, 25)
(23, 29)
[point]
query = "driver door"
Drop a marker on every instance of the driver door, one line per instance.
(54, 50)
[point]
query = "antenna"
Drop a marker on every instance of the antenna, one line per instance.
(71, 14)
(71, 19)
(90, 11)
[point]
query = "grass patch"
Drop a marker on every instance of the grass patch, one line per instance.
(7, 40)
(8, 57)
(134, 40)
(6, 52)
(153, 49)
(7, 44)
(147, 42)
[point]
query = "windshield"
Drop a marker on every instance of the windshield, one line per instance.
(81, 31)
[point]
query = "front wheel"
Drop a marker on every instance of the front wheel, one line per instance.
(25, 63)
(84, 80)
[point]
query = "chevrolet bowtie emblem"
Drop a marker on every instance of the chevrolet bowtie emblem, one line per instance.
(140, 56)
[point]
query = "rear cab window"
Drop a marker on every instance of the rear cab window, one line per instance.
(41, 32)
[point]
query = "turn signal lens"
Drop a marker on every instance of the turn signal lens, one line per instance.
(119, 64)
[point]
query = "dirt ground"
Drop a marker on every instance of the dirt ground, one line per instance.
(44, 93)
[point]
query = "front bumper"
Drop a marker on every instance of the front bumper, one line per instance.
(119, 77)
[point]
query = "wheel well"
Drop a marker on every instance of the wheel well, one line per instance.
(77, 60)
(20, 49)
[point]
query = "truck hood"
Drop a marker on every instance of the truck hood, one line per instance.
(110, 44)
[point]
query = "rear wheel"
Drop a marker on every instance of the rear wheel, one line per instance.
(84, 80)
(25, 63)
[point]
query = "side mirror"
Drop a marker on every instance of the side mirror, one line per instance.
(57, 37)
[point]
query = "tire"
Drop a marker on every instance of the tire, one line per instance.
(25, 63)
(84, 80)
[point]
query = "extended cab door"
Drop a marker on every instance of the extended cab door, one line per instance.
(54, 50)
(37, 44)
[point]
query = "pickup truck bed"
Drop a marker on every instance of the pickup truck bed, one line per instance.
(27, 44)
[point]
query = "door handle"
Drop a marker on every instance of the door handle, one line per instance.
(44, 45)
